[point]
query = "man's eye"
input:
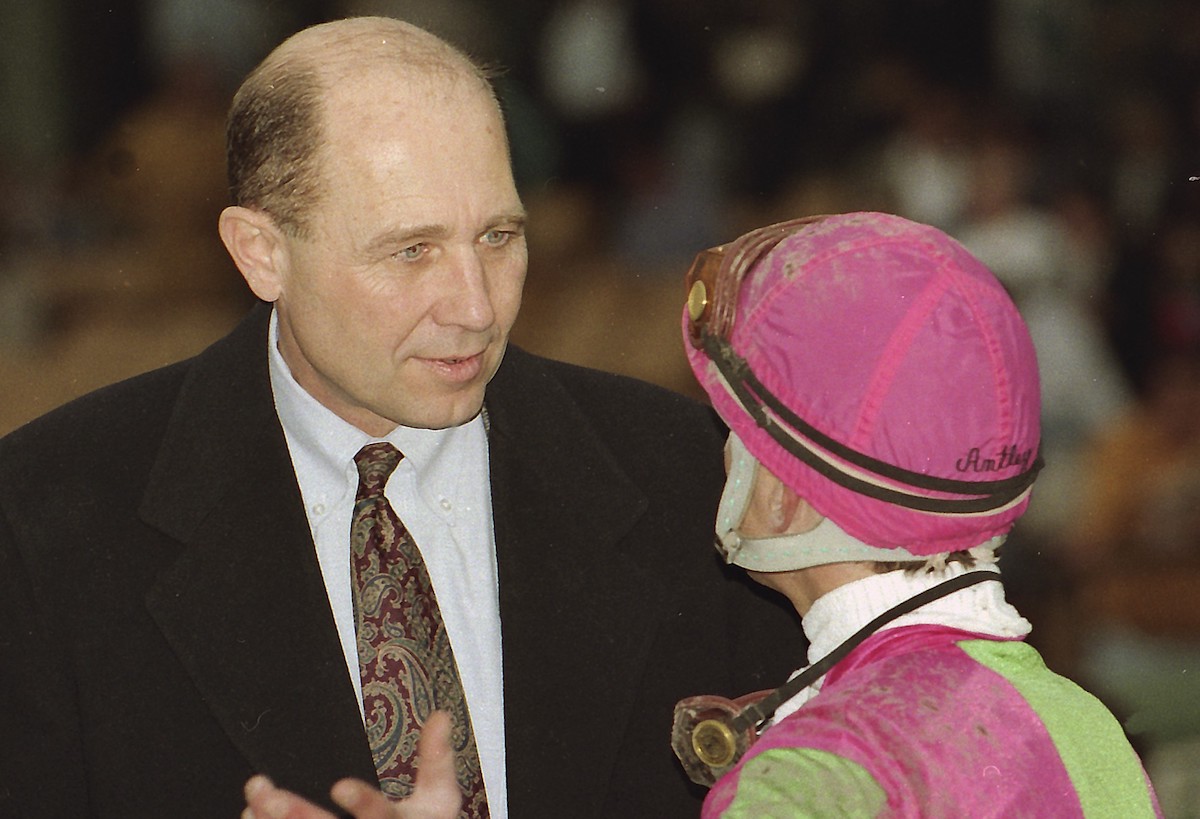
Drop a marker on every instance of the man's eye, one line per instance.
(411, 253)
(497, 237)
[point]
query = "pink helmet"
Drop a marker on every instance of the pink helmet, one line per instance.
(878, 369)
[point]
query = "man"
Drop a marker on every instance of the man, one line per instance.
(882, 395)
(181, 605)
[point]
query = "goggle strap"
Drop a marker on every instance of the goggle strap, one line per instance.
(756, 399)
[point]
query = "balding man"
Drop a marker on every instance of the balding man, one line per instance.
(359, 508)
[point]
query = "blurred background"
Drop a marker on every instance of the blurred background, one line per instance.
(1058, 139)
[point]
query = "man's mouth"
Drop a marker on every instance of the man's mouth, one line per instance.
(459, 368)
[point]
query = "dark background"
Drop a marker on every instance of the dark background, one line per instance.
(1058, 140)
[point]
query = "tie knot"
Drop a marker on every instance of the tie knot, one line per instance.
(375, 463)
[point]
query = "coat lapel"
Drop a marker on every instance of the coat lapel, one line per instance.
(574, 607)
(244, 605)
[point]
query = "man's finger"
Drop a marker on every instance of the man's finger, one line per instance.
(435, 787)
(266, 801)
(434, 751)
(363, 801)
(436, 777)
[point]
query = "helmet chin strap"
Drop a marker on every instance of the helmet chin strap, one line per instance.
(735, 498)
(825, 543)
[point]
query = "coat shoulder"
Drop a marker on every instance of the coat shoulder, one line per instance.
(643, 415)
(107, 426)
(120, 424)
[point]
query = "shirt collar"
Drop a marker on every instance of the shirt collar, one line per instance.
(323, 444)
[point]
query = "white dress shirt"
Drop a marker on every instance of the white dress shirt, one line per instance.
(442, 492)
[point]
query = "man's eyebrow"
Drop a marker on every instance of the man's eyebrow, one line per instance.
(518, 218)
(405, 234)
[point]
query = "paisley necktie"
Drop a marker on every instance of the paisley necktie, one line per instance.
(406, 665)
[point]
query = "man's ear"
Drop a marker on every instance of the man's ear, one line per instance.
(792, 514)
(257, 248)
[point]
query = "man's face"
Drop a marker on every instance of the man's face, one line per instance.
(396, 307)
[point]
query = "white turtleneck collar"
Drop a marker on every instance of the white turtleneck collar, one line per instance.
(837, 615)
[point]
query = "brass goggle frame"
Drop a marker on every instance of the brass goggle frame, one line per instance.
(715, 278)
(710, 734)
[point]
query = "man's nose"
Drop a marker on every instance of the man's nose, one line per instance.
(467, 299)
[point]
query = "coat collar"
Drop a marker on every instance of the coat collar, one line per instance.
(244, 606)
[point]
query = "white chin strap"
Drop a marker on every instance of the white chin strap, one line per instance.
(825, 543)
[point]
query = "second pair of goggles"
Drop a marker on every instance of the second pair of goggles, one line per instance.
(714, 282)
(709, 734)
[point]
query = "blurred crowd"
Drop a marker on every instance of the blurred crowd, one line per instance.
(1059, 141)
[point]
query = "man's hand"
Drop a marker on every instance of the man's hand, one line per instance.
(435, 796)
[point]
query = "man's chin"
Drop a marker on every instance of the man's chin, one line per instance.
(454, 414)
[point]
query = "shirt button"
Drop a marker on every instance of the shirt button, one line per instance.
(446, 504)
(318, 509)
